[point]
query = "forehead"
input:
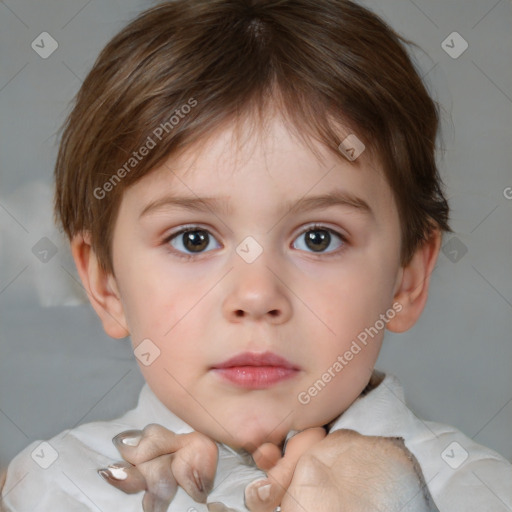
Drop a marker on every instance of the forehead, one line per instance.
(259, 168)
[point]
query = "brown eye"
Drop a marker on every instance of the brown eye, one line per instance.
(318, 239)
(191, 241)
(195, 241)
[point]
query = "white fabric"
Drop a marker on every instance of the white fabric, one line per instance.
(481, 482)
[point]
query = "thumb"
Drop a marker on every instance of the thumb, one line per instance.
(265, 495)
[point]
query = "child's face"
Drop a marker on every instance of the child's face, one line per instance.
(302, 305)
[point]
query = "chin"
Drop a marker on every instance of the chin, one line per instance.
(251, 436)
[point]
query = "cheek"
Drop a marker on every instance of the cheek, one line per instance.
(177, 361)
(158, 298)
(338, 377)
(348, 330)
(347, 300)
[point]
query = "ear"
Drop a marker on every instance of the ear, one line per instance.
(413, 282)
(101, 287)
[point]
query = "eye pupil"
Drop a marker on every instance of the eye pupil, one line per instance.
(195, 241)
(318, 239)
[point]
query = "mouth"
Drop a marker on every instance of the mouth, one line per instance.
(252, 370)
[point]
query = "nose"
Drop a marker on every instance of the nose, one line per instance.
(257, 292)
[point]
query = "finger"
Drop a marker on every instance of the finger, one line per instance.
(161, 486)
(137, 446)
(127, 442)
(195, 461)
(124, 476)
(194, 466)
(266, 456)
(265, 495)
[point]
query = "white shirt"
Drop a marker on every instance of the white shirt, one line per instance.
(61, 475)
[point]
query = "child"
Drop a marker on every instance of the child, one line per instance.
(290, 144)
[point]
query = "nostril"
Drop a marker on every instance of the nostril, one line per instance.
(239, 313)
(274, 312)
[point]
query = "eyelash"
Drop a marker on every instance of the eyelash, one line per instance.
(189, 256)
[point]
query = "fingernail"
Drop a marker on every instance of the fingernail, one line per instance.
(264, 492)
(130, 441)
(115, 472)
(128, 438)
(198, 481)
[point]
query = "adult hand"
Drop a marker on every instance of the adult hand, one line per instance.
(158, 460)
(347, 471)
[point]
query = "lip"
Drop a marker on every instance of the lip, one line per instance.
(253, 370)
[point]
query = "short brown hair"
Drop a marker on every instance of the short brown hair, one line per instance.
(329, 63)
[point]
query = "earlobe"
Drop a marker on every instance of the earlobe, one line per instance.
(413, 284)
(101, 287)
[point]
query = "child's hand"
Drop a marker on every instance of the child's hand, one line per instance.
(162, 460)
(348, 471)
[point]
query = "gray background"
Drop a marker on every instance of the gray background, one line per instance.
(58, 369)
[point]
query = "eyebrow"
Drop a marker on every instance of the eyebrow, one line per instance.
(221, 204)
(335, 198)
